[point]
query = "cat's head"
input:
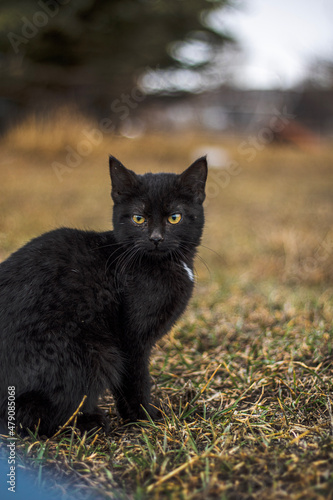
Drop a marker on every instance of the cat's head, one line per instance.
(159, 214)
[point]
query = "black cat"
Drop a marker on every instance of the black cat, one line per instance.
(81, 310)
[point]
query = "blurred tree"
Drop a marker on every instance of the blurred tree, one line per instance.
(94, 50)
(320, 74)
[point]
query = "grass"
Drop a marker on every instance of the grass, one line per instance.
(246, 375)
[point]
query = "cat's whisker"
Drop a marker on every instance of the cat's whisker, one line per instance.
(126, 259)
(119, 261)
(109, 264)
(106, 268)
(204, 246)
(183, 258)
(211, 250)
(203, 261)
(119, 246)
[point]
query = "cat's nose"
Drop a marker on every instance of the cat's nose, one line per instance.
(156, 237)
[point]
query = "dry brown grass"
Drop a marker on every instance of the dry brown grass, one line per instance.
(246, 375)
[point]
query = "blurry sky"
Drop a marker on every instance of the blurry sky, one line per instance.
(279, 38)
(278, 42)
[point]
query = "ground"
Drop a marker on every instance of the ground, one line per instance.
(246, 375)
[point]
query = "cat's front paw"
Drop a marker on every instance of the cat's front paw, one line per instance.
(92, 421)
(140, 412)
(154, 410)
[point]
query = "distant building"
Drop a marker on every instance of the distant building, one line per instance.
(237, 111)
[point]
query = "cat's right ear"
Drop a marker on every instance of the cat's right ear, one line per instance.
(123, 180)
(194, 179)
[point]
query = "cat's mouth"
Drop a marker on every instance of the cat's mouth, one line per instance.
(157, 251)
(162, 249)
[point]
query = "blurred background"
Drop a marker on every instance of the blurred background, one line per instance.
(217, 65)
(158, 83)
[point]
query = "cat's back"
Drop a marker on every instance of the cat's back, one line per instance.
(51, 270)
(57, 247)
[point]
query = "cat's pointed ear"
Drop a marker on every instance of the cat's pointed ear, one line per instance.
(123, 180)
(194, 179)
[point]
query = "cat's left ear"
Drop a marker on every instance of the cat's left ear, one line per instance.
(123, 180)
(194, 179)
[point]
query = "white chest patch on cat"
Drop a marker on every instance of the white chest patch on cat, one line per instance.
(189, 271)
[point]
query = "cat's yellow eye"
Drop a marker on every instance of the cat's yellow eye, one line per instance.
(138, 219)
(175, 218)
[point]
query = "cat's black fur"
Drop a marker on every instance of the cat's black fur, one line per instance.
(80, 311)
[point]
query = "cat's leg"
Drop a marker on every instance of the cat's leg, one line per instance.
(134, 390)
(90, 416)
(92, 421)
(34, 409)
